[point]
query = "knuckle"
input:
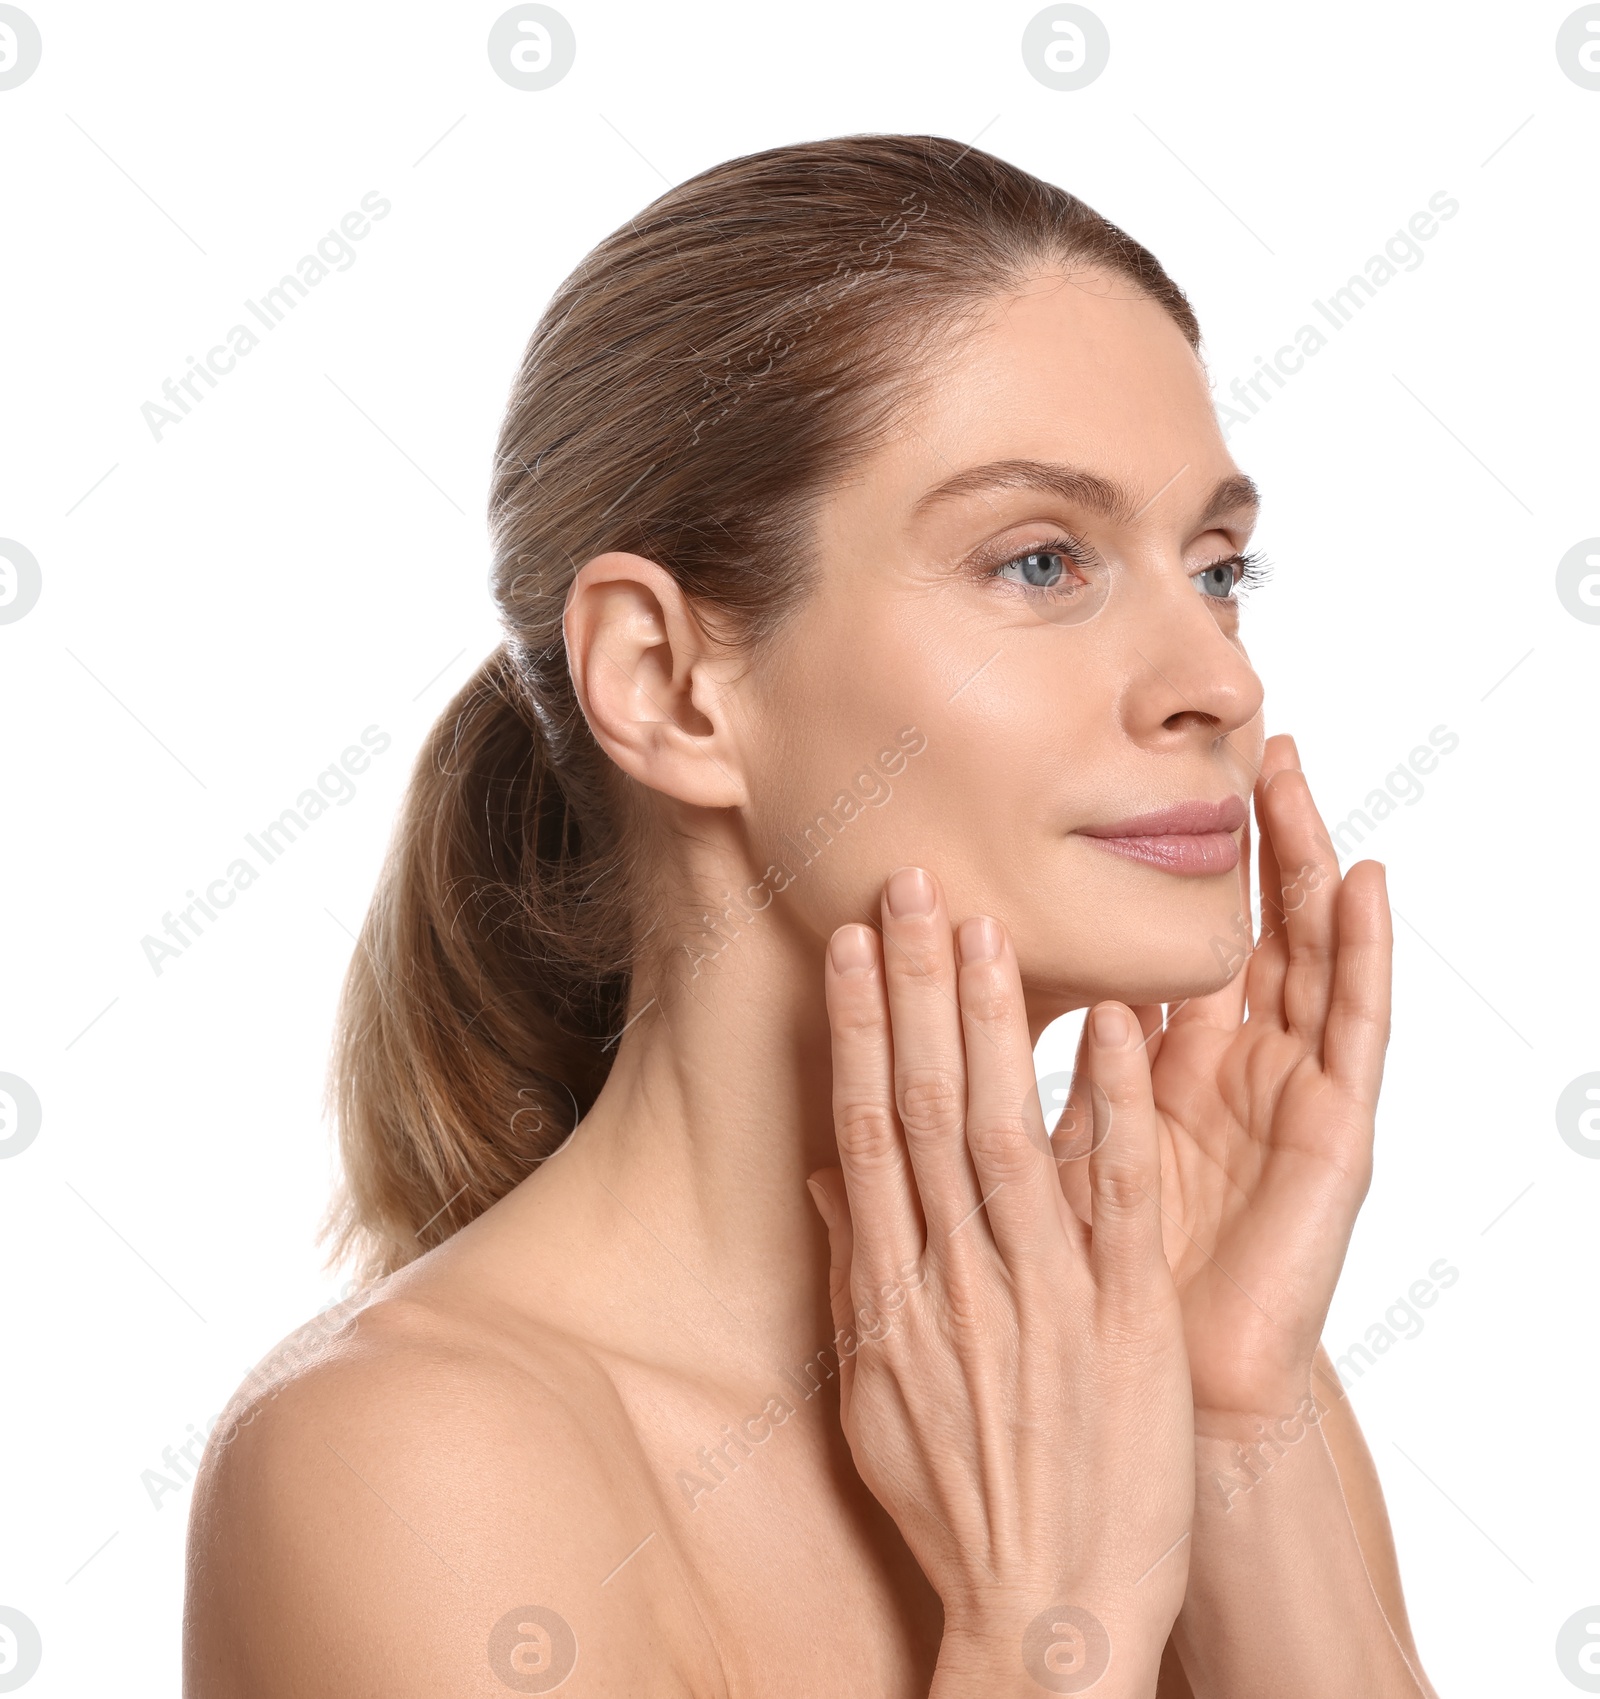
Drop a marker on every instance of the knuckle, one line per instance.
(967, 1312)
(1005, 1144)
(915, 958)
(865, 1134)
(1119, 1189)
(931, 1101)
(856, 1017)
(985, 995)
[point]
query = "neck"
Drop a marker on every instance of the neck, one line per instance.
(680, 1203)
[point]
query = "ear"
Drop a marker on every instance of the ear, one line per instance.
(653, 686)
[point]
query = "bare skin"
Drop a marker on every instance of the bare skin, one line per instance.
(596, 1398)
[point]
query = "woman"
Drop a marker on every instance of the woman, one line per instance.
(872, 695)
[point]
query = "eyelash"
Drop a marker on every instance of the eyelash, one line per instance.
(1251, 568)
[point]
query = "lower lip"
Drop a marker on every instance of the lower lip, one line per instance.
(1179, 852)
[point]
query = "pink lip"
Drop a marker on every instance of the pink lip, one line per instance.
(1188, 837)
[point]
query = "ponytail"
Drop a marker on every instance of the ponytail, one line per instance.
(476, 1012)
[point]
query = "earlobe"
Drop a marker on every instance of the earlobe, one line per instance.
(648, 678)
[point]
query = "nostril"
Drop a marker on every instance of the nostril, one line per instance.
(1188, 718)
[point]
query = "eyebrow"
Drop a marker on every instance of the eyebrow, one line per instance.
(1101, 495)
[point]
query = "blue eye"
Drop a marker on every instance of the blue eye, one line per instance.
(1043, 568)
(1223, 579)
(1216, 580)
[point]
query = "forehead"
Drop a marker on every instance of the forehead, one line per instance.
(1084, 370)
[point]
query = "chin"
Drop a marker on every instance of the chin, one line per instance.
(1169, 980)
(1165, 964)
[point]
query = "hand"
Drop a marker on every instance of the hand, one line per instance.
(1022, 1409)
(1266, 1121)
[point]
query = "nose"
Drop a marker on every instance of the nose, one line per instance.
(1187, 676)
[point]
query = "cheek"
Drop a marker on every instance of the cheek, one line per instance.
(956, 787)
(853, 800)
(915, 738)
(851, 787)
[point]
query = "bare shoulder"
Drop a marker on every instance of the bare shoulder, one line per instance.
(407, 1501)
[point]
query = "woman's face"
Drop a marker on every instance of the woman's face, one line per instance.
(1061, 631)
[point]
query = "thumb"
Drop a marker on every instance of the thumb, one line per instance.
(828, 1193)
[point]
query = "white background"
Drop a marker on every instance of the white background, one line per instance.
(304, 556)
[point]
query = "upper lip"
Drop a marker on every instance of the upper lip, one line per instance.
(1180, 819)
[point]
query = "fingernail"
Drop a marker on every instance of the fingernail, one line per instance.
(1110, 1024)
(820, 1198)
(978, 939)
(850, 949)
(910, 892)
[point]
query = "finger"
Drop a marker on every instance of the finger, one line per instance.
(1279, 755)
(1245, 837)
(1225, 1006)
(872, 1157)
(1005, 1126)
(1269, 961)
(1310, 886)
(1073, 1132)
(1357, 1032)
(827, 1188)
(1124, 1158)
(929, 1056)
